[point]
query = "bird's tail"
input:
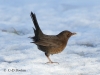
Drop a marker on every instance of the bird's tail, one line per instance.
(37, 29)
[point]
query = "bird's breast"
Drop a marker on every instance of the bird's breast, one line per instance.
(57, 50)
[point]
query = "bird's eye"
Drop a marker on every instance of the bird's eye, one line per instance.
(68, 35)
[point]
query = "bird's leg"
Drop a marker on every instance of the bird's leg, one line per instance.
(47, 55)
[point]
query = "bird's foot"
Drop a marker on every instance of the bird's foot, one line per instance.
(52, 62)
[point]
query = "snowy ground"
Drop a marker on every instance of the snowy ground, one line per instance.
(80, 57)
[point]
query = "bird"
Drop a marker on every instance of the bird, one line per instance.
(49, 44)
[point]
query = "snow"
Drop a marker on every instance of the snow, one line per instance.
(80, 57)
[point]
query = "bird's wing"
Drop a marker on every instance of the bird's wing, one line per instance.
(51, 41)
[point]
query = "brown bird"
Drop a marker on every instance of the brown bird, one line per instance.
(49, 44)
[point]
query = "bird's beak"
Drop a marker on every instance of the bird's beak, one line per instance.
(73, 33)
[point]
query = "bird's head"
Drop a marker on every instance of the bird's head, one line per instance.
(66, 34)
